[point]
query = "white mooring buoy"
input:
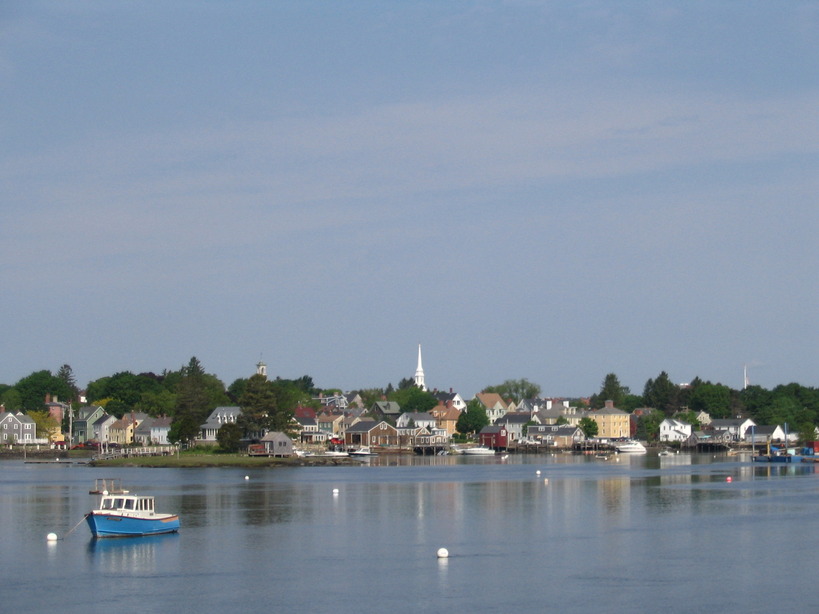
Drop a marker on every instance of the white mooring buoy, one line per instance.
(52, 537)
(443, 553)
(247, 477)
(335, 491)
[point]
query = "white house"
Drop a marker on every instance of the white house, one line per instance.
(218, 417)
(731, 429)
(674, 430)
(419, 419)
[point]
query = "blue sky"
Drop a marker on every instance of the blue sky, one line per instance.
(542, 190)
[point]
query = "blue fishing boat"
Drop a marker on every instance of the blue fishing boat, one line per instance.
(127, 515)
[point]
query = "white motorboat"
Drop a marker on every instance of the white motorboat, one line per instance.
(334, 453)
(630, 446)
(363, 451)
(478, 451)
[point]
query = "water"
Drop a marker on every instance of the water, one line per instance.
(636, 535)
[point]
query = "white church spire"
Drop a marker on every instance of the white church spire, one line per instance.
(419, 372)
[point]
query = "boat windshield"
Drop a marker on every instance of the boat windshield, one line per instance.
(109, 503)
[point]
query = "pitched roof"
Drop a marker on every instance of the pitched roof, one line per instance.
(515, 417)
(387, 408)
(491, 399)
(362, 426)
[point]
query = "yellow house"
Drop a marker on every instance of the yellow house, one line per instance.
(611, 422)
(446, 417)
(122, 431)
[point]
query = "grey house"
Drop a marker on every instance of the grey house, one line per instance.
(274, 443)
(218, 417)
(17, 428)
(82, 428)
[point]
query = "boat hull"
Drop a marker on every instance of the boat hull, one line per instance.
(478, 452)
(115, 525)
(630, 447)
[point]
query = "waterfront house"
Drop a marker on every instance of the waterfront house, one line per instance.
(430, 438)
(494, 436)
(516, 422)
(558, 435)
(275, 443)
(765, 433)
(674, 430)
(730, 429)
(612, 423)
(17, 428)
(82, 425)
(308, 429)
(371, 433)
(219, 416)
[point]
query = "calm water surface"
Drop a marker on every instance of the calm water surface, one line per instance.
(636, 534)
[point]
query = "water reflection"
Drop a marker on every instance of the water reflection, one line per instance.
(132, 556)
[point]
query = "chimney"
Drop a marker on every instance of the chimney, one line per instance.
(609, 404)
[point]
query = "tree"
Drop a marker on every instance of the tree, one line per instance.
(589, 427)
(237, 389)
(661, 393)
(184, 429)
(610, 390)
(370, 396)
(690, 417)
(229, 437)
(46, 424)
(157, 403)
(194, 400)
(473, 418)
(12, 400)
(406, 382)
(34, 388)
(258, 405)
(712, 398)
(413, 399)
(807, 432)
(516, 389)
(648, 425)
(66, 374)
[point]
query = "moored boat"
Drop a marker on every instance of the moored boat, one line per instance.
(478, 451)
(363, 451)
(630, 446)
(127, 515)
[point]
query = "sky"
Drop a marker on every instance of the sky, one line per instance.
(529, 189)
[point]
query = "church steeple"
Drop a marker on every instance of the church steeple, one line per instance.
(419, 372)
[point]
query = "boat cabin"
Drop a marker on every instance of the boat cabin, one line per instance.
(127, 503)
